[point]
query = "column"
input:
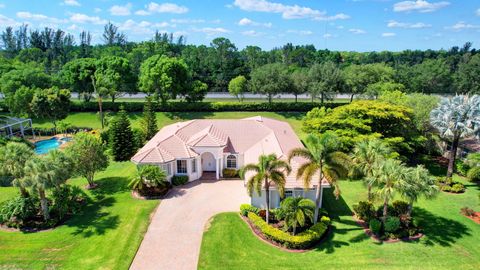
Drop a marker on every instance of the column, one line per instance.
(217, 169)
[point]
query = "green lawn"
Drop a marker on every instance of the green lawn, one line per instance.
(452, 241)
(105, 236)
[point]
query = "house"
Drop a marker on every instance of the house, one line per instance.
(203, 147)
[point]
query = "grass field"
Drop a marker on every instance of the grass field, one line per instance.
(105, 236)
(451, 240)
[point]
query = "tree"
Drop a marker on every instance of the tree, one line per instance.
(164, 77)
(456, 118)
(196, 91)
(13, 157)
(19, 102)
(432, 76)
(322, 157)
(299, 83)
(366, 154)
(270, 80)
(38, 173)
(269, 170)
(121, 137)
(324, 79)
(416, 184)
(77, 74)
(61, 167)
(52, 103)
(359, 77)
(148, 176)
(466, 77)
(149, 120)
(114, 75)
(111, 35)
(88, 154)
(297, 211)
(238, 86)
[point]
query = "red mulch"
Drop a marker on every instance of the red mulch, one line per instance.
(475, 217)
(367, 231)
(442, 161)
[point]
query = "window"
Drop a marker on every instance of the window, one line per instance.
(231, 162)
(167, 168)
(288, 193)
(181, 166)
(194, 165)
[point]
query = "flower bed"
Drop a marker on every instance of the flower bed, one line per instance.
(471, 214)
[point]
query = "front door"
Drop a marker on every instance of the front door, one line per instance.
(208, 162)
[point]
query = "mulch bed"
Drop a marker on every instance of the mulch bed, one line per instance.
(139, 196)
(27, 229)
(262, 237)
(475, 218)
(367, 231)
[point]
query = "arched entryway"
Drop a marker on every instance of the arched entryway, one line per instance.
(208, 162)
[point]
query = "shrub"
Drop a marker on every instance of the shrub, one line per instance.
(458, 188)
(326, 220)
(178, 180)
(247, 208)
(461, 167)
(473, 174)
(302, 240)
(392, 224)
(67, 200)
(446, 188)
(375, 226)
(230, 173)
(364, 210)
(16, 211)
(467, 212)
(400, 208)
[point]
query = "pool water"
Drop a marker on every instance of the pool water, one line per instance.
(44, 146)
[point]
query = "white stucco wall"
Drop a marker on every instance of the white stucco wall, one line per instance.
(259, 201)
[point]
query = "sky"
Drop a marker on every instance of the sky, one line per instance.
(347, 25)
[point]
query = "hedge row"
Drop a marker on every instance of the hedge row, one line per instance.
(302, 240)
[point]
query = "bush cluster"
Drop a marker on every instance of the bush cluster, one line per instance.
(364, 210)
(473, 174)
(247, 208)
(302, 240)
(230, 173)
(461, 167)
(178, 180)
(448, 185)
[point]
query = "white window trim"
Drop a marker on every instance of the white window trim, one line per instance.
(236, 161)
(186, 166)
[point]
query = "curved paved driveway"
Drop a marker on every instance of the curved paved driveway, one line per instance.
(175, 234)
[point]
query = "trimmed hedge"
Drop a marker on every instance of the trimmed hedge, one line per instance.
(230, 173)
(178, 180)
(247, 208)
(302, 240)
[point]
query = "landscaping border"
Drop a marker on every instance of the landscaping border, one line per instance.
(368, 232)
(136, 195)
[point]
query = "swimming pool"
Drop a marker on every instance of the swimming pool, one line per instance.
(44, 146)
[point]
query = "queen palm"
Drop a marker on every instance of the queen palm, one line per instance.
(269, 170)
(38, 174)
(365, 155)
(297, 211)
(13, 157)
(322, 157)
(418, 183)
(456, 118)
(61, 166)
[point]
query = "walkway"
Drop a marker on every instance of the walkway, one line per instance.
(175, 234)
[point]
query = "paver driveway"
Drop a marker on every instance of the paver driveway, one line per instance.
(175, 234)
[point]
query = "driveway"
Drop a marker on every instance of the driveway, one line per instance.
(175, 234)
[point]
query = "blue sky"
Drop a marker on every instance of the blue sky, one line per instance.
(354, 25)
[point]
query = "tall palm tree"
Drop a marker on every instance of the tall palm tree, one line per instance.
(322, 156)
(456, 118)
(38, 174)
(418, 183)
(13, 157)
(269, 170)
(61, 166)
(297, 210)
(365, 155)
(388, 174)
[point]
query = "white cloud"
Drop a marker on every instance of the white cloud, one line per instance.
(462, 25)
(6, 21)
(287, 11)
(300, 32)
(2, 5)
(246, 22)
(187, 21)
(419, 5)
(71, 3)
(134, 27)
(340, 27)
(328, 36)
(162, 8)
(117, 10)
(97, 10)
(357, 31)
(83, 18)
(252, 33)
(388, 34)
(478, 12)
(212, 31)
(395, 24)
(38, 17)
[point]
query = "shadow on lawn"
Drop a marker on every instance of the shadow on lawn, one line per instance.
(188, 115)
(96, 219)
(439, 230)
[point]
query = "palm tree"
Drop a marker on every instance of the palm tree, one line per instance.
(296, 211)
(13, 157)
(456, 118)
(388, 174)
(148, 176)
(269, 170)
(365, 155)
(61, 166)
(418, 183)
(39, 173)
(321, 156)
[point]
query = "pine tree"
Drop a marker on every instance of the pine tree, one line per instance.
(121, 137)
(149, 121)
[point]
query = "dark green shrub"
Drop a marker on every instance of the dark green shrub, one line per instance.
(18, 210)
(474, 174)
(67, 200)
(461, 167)
(230, 173)
(400, 208)
(446, 188)
(457, 188)
(322, 212)
(178, 180)
(247, 208)
(375, 226)
(364, 210)
(392, 224)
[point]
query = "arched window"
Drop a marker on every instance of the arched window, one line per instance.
(231, 162)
